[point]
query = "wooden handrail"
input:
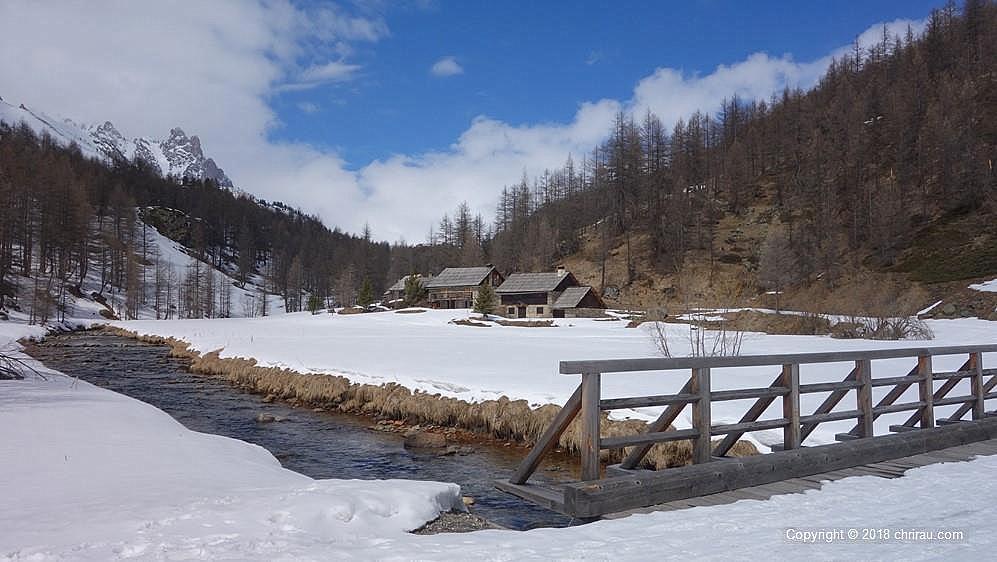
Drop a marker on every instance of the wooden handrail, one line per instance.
(605, 366)
(587, 404)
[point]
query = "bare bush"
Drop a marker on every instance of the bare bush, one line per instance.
(883, 328)
(659, 334)
(712, 332)
(884, 310)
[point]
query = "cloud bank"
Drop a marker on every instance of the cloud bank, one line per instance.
(212, 68)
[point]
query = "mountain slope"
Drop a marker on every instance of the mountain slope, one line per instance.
(178, 155)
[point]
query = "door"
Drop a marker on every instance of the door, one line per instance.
(521, 313)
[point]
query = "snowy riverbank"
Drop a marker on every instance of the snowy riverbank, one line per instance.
(426, 352)
(91, 474)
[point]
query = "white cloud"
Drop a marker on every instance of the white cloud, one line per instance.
(319, 74)
(673, 94)
(446, 66)
(893, 29)
(308, 107)
(213, 68)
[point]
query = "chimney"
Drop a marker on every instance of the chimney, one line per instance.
(561, 270)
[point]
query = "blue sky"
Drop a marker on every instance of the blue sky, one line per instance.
(535, 62)
(332, 106)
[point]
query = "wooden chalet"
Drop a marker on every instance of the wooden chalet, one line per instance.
(576, 302)
(396, 292)
(554, 294)
(457, 287)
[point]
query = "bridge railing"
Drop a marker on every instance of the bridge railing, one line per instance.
(697, 393)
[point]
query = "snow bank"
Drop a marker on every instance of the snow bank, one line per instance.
(91, 474)
(759, 530)
(426, 352)
(986, 286)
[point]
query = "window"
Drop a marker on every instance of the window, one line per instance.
(511, 311)
(540, 310)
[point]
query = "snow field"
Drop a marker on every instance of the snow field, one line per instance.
(425, 352)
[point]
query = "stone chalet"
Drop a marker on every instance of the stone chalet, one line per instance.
(554, 294)
(457, 287)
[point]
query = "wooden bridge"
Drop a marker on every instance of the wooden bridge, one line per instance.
(626, 487)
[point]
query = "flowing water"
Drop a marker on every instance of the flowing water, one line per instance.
(318, 444)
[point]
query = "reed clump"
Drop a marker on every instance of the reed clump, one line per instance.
(505, 419)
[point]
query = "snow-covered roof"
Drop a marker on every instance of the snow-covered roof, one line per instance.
(460, 277)
(532, 282)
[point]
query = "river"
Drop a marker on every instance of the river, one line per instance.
(318, 444)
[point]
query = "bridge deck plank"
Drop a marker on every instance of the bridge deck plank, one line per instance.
(887, 469)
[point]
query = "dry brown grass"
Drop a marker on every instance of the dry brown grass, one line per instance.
(526, 323)
(784, 324)
(469, 322)
(510, 420)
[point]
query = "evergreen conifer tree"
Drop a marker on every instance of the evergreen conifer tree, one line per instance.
(415, 291)
(365, 297)
(314, 303)
(486, 300)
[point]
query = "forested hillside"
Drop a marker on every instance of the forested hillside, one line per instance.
(66, 217)
(887, 165)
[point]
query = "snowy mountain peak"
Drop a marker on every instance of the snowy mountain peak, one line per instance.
(179, 155)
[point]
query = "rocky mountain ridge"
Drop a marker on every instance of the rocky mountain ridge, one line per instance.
(178, 155)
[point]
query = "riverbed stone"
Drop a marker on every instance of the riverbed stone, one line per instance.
(455, 522)
(424, 440)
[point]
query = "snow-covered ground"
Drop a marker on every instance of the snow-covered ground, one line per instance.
(425, 351)
(88, 474)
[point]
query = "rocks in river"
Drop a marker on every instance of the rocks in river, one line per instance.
(264, 417)
(269, 398)
(468, 500)
(417, 439)
(455, 450)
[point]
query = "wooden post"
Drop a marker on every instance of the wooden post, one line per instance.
(702, 448)
(863, 396)
(791, 406)
(976, 365)
(926, 390)
(550, 437)
(590, 426)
